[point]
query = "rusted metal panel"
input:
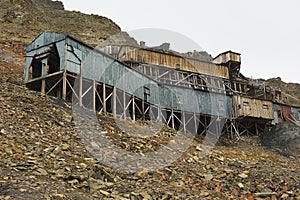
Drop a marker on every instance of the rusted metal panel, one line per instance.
(288, 115)
(172, 61)
(248, 107)
(284, 113)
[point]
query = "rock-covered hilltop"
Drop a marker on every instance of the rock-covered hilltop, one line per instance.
(22, 20)
(290, 90)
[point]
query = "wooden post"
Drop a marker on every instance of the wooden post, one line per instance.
(234, 85)
(183, 119)
(143, 108)
(195, 121)
(256, 129)
(114, 102)
(104, 97)
(124, 104)
(172, 119)
(133, 108)
(94, 96)
(64, 89)
(80, 91)
(43, 86)
(159, 114)
(205, 123)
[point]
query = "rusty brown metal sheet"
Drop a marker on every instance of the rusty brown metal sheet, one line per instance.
(287, 115)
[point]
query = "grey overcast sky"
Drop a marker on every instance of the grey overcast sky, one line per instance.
(265, 32)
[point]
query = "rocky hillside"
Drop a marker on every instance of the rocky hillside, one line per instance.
(290, 90)
(43, 157)
(22, 20)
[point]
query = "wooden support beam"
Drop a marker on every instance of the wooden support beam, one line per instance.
(133, 108)
(143, 108)
(195, 121)
(80, 90)
(159, 114)
(104, 97)
(94, 96)
(172, 118)
(46, 76)
(256, 129)
(54, 86)
(114, 96)
(43, 86)
(64, 89)
(183, 121)
(124, 105)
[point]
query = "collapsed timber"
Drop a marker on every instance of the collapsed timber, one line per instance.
(197, 95)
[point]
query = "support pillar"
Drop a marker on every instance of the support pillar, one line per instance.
(94, 96)
(143, 109)
(184, 122)
(133, 108)
(159, 114)
(195, 121)
(172, 119)
(124, 104)
(104, 98)
(80, 91)
(43, 86)
(114, 102)
(64, 89)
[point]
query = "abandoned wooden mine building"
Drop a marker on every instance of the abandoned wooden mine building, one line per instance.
(195, 94)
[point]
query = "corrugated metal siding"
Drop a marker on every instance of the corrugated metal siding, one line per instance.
(61, 51)
(295, 110)
(44, 39)
(42, 44)
(106, 70)
(276, 118)
(296, 113)
(27, 67)
(276, 107)
(75, 54)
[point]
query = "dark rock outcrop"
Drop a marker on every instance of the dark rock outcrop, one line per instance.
(283, 138)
